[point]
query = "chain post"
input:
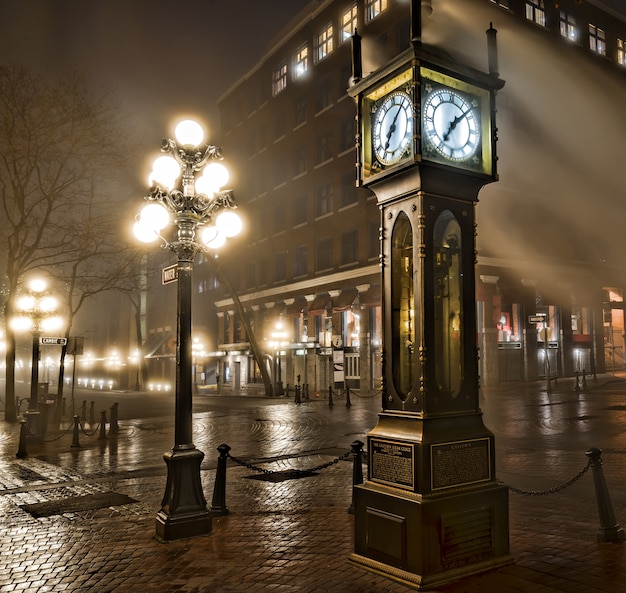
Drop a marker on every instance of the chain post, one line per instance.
(357, 469)
(21, 450)
(218, 504)
(103, 426)
(75, 441)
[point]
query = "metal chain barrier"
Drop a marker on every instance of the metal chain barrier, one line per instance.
(558, 488)
(303, 472)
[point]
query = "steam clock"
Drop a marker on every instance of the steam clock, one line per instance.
(430, 510)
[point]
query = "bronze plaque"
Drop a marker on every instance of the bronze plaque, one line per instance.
(460, 463)
(391, 462)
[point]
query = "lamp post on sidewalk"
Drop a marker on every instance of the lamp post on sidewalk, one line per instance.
(186, 184)
(36, 311)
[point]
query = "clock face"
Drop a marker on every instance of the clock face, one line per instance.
(392, 128)
(451, 124)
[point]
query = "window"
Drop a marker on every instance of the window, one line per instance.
(279, 79)
(349, 247)
(301, 110)
(301, 260)
(301, 62)
(621, 52)
(300, 161)
(324, 202)
(536, 12)
(348, 190)
(597, 40)
(324, 152)
(280, 267)
(324, 254)
(300, 210)
(567, 25)
(374, 7)
(348, 23)
(324, 42)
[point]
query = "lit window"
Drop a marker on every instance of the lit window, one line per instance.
(374, 8)
(348, 23)
(536, 12)
(279, 79)
(324, 45)
(567, 24)
(301, 62)
(621, 52)
(597, 40)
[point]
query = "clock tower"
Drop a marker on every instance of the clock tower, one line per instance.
(430, 510)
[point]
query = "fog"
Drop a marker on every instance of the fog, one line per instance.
(562, 131)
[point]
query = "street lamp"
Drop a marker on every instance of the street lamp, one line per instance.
(279, 340)
(186, 183)
(36, 311)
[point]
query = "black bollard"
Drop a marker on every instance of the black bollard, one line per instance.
(21, 449)
(75, 441)
(348, 402)
(218, 504)
(330, 396)
(92, 414)
(103, 426)
(297, 400)
(357, 469)
(609, 530)
(113, 426)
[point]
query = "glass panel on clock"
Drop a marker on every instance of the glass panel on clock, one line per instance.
(448, 320)
(402, 306)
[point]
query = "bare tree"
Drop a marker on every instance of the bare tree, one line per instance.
(56, 141)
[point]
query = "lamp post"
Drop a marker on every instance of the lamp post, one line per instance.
(36, 311)
(186, 184)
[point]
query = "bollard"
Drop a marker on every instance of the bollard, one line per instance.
(75, 441)
(348, 402)
(297, 390)
(330, 396)
(83, 410)
(92, 414)
(113, 426)
(577, 386)
(305, 390)
(609, 530)
(218, 504)
(357, 469)
(21, 449)
(103, 426)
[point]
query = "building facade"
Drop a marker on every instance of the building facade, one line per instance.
(307, 268)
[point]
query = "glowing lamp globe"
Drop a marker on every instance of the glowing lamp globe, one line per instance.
(216, 174)
(228, 223)
(155, 216)
(189, 133)
(145, 233)
(165, 171)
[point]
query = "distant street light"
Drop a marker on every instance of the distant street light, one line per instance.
(187, 183)
(36, 312)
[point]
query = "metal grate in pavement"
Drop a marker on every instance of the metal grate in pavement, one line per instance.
(76, 504)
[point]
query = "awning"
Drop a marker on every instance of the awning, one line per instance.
(319, 304)
(158, 345)
(344, 301)
(371, 298)
(295, 309)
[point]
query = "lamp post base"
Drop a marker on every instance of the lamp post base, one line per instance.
(183, 511)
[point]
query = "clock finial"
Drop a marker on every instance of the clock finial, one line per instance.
(492, 50)
(357, 62)
(416, 22)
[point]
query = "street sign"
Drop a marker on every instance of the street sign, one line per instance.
(536, 318)
(53, 341)
(75, 346)
(169, 274)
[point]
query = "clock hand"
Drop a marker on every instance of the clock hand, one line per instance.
(392, 128)
(454, 123)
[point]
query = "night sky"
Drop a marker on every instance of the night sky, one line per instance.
(158, 57)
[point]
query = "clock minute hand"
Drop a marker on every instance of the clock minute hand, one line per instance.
(392, 128)
(454, 123)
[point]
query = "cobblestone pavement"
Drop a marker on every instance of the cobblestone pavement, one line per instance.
(294, 536)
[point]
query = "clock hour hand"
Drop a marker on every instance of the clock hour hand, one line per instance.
(454, 123)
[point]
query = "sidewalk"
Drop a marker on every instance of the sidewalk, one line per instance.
(290, 536)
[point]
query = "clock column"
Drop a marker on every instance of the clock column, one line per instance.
(430, 510)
